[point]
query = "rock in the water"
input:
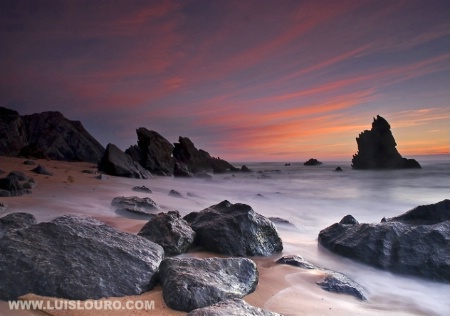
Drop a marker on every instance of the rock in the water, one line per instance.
(420, 248)
(76, 258)
(142, 188)
(232, 307)
(338, 169)
(169, 231)
(312, 162)
(244, 168)
(135, 204)
(335, 282)
(191, 283)
(42, 170)
(376, 149)
(15, 221)
(181, 170)
(116, 163)
(175, 193)
(235, 229)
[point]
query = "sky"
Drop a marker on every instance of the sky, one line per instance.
(244, 80)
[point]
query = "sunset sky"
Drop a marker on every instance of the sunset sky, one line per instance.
(245, 80)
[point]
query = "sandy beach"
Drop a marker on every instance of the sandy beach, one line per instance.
(282, 289)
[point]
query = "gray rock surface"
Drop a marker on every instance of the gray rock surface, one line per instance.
(116, 163)
(41, 170)
(16, 183)
(414, 243)
(76, 258)
(15, 221)
(135, 204)
(235, 229)
(169, 231)
(232, 307)
(191, 283)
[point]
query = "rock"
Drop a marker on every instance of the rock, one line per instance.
(235, 229)
(338, 169)
(281, 221)
(42, 170)
(116, 163)
(135, 204)
(16, 183)
(15, 221)
(12, 133)
(170, 231)
(312, 162)
(181, 170)
(29, 163)
(101, 177)
(142, 188)
(154, 152)
(417, 244)
(244, 168)
(287, 164)
(50, 135)
(231, 307)
(19, 175)
(3, 205)
(89, 171)
(348, 220)
(76, 258)
(376, 149)
(191, 283)
(175, 193)
(335, 282)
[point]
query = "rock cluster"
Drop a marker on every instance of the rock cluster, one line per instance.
(414, 243)
(46, 135)
(16, 183)
(377, 149)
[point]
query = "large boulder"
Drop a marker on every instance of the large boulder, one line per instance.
(235, 229)
(170, 231)
(135, 204)
(12, 133)
(376, 149)
(76, 258)
(15, 221)
(190, 283)
(116, 163)
(415, 243)
(231, 307)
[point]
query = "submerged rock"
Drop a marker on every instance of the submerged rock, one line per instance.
(170, 231)
(335, 282)
(135, 204)
(191, 283)
(231, 307)
(414, 243)
(376, 149)
(235, 229)
(142, 188)
(175, 193)
(76, 258)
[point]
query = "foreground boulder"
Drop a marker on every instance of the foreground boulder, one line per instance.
(76, 258)
(415, 243)
(333, 281)
(15, 221)
(235, 229)
(231, 307)
(191, 283)
(170, 231)
(135, 204)
(376, 149)
(116, 163)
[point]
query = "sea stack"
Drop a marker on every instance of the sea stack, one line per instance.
(376, 149)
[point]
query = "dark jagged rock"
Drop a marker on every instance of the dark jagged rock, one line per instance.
(142, 188)
(377, 149)
(338, 169)
(198, 160)
(191, 283)
(175, 193)
(15, 221)
(335, 282)
(181, 170)
(281, 221)
(235, 229)
(76, 258)
(348, 220)
(116, 163)
(154, 152)
(170, 231)
(312, 162)
(16, 183)
(244, 168)
(415, 243)
(135, 204)
(12, 133)
(231, 307)
(42, 170)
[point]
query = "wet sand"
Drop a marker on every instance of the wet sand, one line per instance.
(282, 289)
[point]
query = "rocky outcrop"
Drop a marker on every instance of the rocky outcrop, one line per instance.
(116, 163)
(135, 204)
(191, 283)
(312, 162)
(377, 149)
(169, 231)
(16, 183)
(76, 258)
(234, 229)
(333, 281)
(414, 243)
(231, 307)
(15, 221)
(12, 133)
